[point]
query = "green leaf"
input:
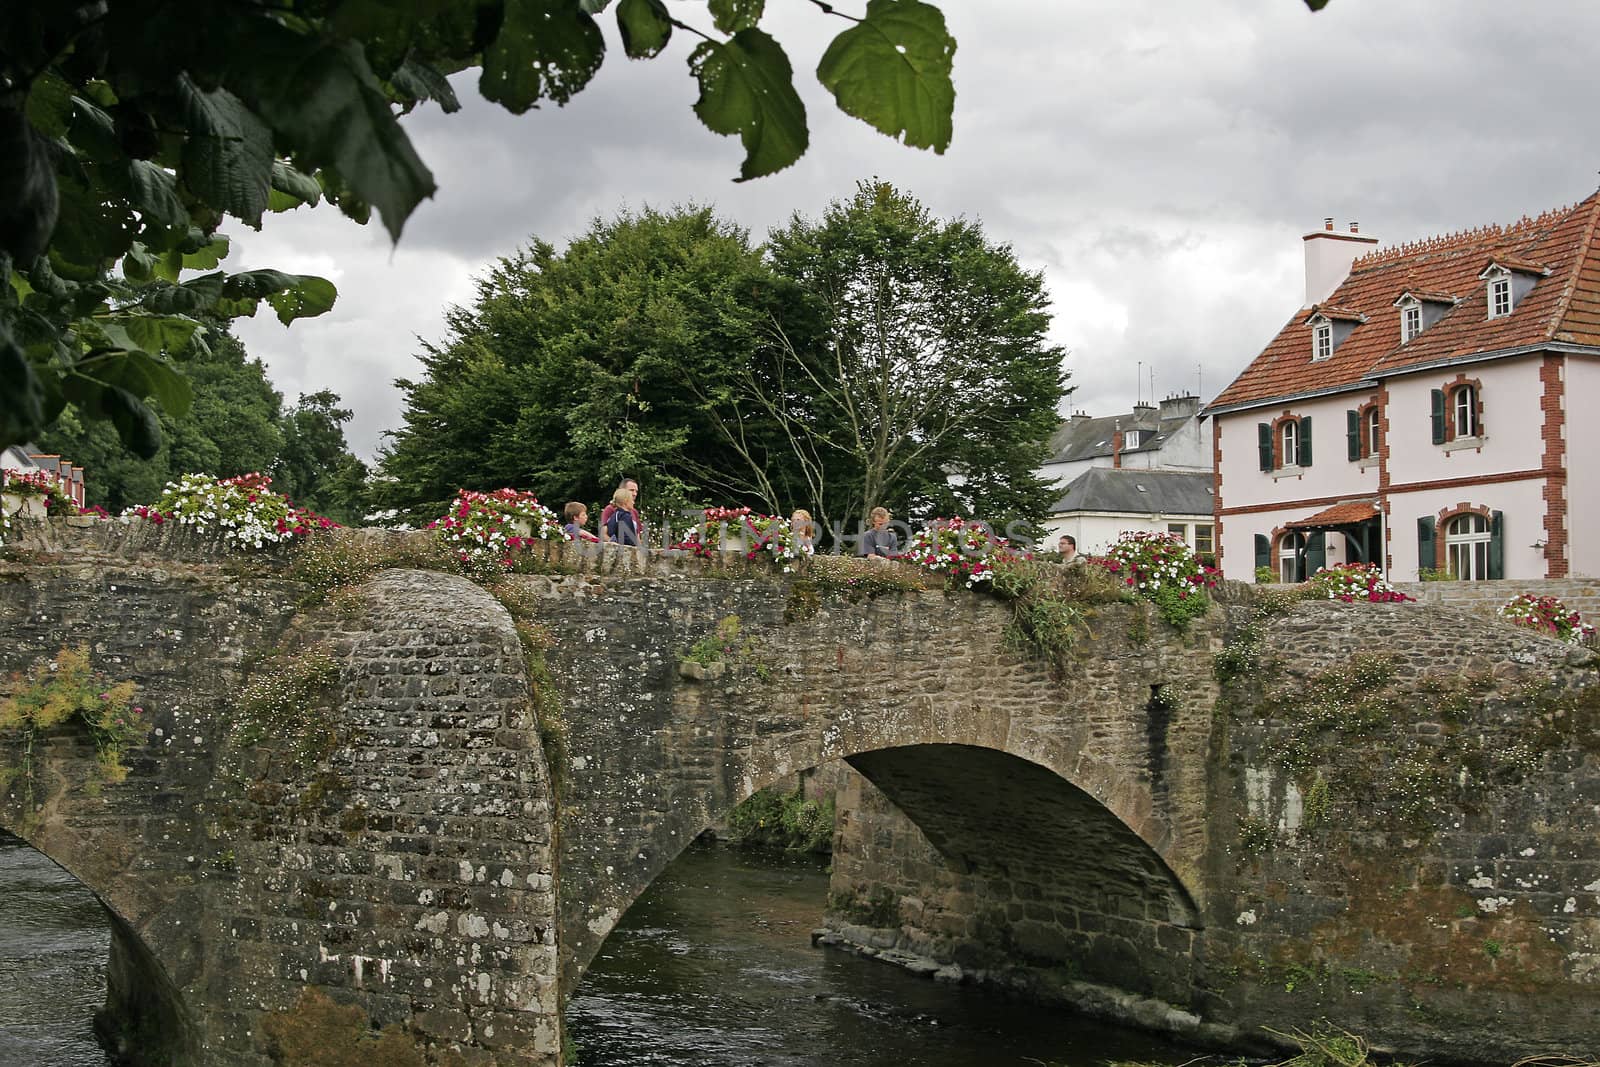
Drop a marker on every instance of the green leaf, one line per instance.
(892, 71)
(545, 50)
(158, 333)
(93, 133)
(138, 266)
(1316, 5)
(293, 296)
(155, 196)
(136, 424)
(208, 255)
(731, 16)
(747, 87)
(195, 295)
(94, 227)
(50, 104)
(646, 27)
(310, 298)
(22, 401)
(417, 80)
(227, 160)
(141, 375)
(292, 189)
(332, 113)
(29, 200)
(593, 7)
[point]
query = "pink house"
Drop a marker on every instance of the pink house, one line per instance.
(1430, 407)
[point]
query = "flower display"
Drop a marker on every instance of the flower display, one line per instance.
(743, 530)
(488, 527)
(1352, 582)
(1150, 562)
(961, 549)
(245, 510)
(39, 485)
(1548, 615)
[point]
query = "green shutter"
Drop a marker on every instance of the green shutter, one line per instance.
(1352, 434)
(1305, 441)
(1497, 545)
(1263, 550)
(1264, 442)
(1316, 553)
(1426, 558)
(1438, 416)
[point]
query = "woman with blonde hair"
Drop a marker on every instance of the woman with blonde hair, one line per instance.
(620, 526)
(805, 530)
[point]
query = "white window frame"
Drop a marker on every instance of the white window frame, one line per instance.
(1289, 444)
(1288, 559)
(1466, 551)
(1410, 321)
(1500, 297)
(1374, 427)
(1464, 411)
(1322, 342)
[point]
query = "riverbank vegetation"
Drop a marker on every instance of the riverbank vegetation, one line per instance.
(784, 820)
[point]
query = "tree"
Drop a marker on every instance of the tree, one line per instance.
(315, 467)
(574, 368)
(924, 355)
(130, 128)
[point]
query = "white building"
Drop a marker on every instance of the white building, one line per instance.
(1104, 502)
(1424, 409)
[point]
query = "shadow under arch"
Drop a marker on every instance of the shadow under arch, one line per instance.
(142, 1021)
(1037, 872)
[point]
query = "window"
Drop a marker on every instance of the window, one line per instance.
(1290, 569)
(1410, 322)
(1374, 427)
(1466, 547)
(1464, 411)
(1178, 530)
(1289, 454)
(1202, 539)
(1499, 296)
(1322, 342)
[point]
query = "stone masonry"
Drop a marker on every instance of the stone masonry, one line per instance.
(1405, 844)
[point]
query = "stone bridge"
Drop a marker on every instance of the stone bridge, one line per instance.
(1386, 817)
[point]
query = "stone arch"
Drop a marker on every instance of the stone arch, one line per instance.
(145, 1019)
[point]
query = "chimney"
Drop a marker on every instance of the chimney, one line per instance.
(1179, 407)
(1142, 411)
(1116, 447)
(1329, 253)
(1079, 417)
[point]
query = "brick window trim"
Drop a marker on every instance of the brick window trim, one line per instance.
(1450, 389)
(1362, 412)
(1441, 526)
(1277, 438)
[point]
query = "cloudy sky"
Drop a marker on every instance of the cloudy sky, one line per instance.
(1157, 160)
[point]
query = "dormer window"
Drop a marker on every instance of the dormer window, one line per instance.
(1510, 279)
(1500, 295)
(1329, 327)
(1419, 310)
(1410, 322)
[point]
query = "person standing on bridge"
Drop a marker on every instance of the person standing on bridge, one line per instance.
(880, 542)
(622, 526)
(639, 530)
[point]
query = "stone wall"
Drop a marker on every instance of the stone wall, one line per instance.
(383, 869)
(1482, 598)
(1387, 816)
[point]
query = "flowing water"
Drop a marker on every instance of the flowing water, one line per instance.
(53, 943)
(713, 967)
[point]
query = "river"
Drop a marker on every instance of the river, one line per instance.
(713, 967)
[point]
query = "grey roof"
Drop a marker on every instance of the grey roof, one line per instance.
(1080, 438)
(1118, 489)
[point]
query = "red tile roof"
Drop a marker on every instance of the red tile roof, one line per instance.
(1564, 307)
(1344, 513)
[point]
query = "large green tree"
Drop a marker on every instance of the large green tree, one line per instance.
(573, 368)
(315, 467)
(129, 129)
(923, 380)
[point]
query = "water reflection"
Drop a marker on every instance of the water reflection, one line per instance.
(53, 944)
(714, 965)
